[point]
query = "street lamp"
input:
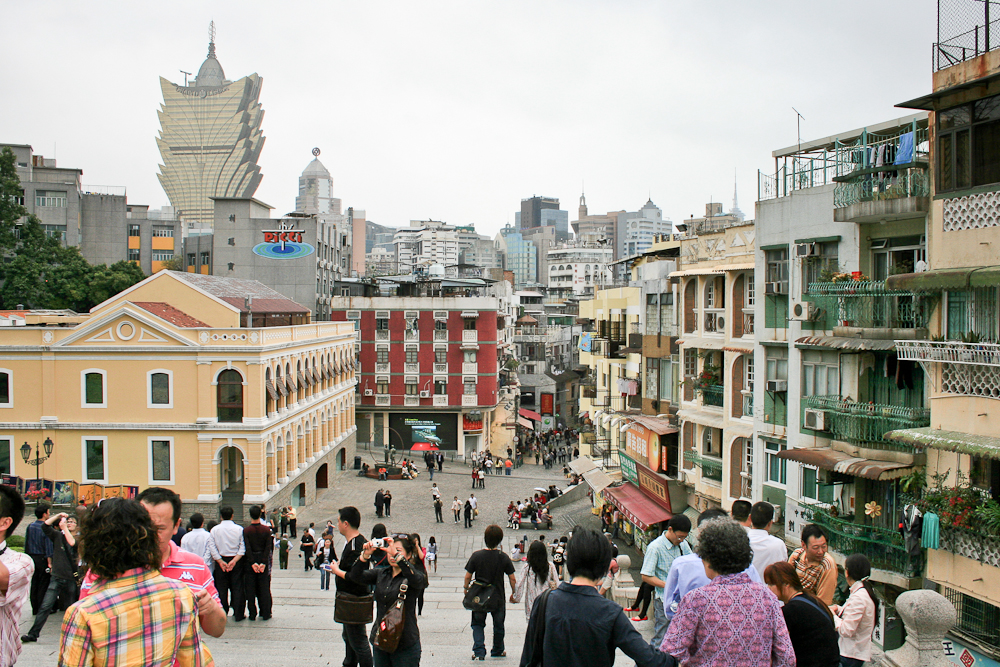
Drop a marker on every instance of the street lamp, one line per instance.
(39, 459)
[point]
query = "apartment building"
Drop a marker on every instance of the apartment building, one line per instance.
(578, 268)
(424, 243)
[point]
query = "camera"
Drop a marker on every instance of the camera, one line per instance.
(378, 543)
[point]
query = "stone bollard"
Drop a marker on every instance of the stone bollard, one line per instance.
(927, 616)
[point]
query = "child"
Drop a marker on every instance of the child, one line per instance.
(432, 552)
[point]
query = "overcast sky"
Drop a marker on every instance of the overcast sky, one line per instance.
(457, 110)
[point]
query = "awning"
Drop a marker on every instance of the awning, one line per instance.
(525, 423)
(303, 381)
(597, 479)
(847, 343)
(831, 459)
(704, 271)
(699, 417)
(470, 313)
(315, 375)
(280, 386)
(636, 505)
(271, 391)
(952, 441)
(656, 424)
(583, 414)
(290, 381)
(582, 465)
(530, 414)
(945, 279)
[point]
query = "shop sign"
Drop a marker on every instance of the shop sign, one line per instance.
(628, 468)
(547, 404)
(655, 487)
(285, 242)
(963, 656)
(643, 444)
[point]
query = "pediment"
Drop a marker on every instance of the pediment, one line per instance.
(125, 327)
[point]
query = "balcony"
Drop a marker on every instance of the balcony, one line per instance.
(411, 335)
(747, 402)
(869, 304)
(864, 424)
(883, 547)
(411, 401)
(715, 320)
(440, 368)
(470, 400)
(411, 368)
(382, 367)
(711, 467)
(381, 334)
(712, 395)
(440, 335)
(383, 399)
(950, 352)
(470, 336)
(470, 368)
(875, 195)
(748, 322)
(440, 400)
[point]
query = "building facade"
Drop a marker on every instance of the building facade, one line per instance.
(520, 256)
(579, 268)
(425, 243)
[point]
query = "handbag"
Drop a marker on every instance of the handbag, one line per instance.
(390, 628)
(353, 609)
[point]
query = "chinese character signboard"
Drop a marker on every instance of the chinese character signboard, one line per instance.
(628, 468)
(654, 486)
(962, 656)
(547, 404)
(643, 445)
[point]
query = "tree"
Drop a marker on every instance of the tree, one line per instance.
(39, 272)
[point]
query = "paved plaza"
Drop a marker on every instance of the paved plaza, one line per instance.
(302, 631)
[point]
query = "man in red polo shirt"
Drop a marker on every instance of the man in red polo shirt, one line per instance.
(164, 507)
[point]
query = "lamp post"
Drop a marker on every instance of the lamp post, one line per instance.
(39, 459)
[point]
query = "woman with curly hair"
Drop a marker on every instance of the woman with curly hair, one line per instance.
(133, 615)
(732, 620)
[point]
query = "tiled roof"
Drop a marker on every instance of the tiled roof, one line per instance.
(167, 312)
(266, 305)
(235, 291)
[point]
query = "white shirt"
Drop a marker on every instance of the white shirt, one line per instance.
(227, 541)
(767, 549)
(21, 569)
(435, 492)
(196, 541)
(472, 501)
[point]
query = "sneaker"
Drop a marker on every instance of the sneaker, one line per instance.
(27, 639)
(640, 618)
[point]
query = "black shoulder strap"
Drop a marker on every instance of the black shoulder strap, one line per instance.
(538, 646)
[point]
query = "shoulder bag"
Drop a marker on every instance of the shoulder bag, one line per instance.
(353, 609)
(538, 643)
(483, 595)
(390, 628)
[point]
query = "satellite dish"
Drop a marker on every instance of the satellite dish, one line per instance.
(315, 152)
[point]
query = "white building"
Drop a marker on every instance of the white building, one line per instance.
(637, 229)
(423, 243)
(579, 268)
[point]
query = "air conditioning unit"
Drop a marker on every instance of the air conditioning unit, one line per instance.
(814, 419)
(774, 288)
(806, 249)
(776, 385)
(804, 310)
(425, 394)
(369, 392)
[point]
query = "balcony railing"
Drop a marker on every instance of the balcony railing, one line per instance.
(869, 304)
(880, 184)
(412, 401)
(883, 547)
(747, 402)
(470, 336)
(382, 367)
(951, 352)
(715, 320)
(381, 334)
(981, 34)
(711, 467)
(470, 367)
(440, 368)
(411, 368)
(864, 424)
(411, 335)
(440, 400)
(748, 324)
(441, 335)
(383, 399)
(470, 400)
(713, 395)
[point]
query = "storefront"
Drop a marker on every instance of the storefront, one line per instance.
(640, 514)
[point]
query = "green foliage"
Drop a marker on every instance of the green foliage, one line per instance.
(39, 272)
(956, 506)
(16, 542)
(915, 482)
(988, 515)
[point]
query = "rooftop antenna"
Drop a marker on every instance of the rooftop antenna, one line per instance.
(186, 75)
(798, 126)
(211, 39)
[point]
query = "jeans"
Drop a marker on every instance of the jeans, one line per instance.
(324, 579)
(508, 469)
(358, 650)
(404, 657)
(851, 662)
(39, 582)
(291, 526)
(258, 592)
(479, 632)
(457, 514)
(56, 588)
(660, 623)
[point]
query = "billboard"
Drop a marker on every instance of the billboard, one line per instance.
(440, 429)
(547, 404)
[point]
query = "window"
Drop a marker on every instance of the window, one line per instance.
(50, 198)
(163, 232)
(666, 380)
(813, 489)
(382, 385)
(133, 230)
(712, 441)
(440, 325)
(820, 374)
(411, 354)
(749, 289)
(440, 356)
(469, 385)
(973, 311)
(411, 386)
(652, 378)
(162, 256)
(191, 257)
(469, 356)
(133, 255)
(95, 461)
(6, 463)
(440, 387)
(820, 265)
(382, 324)
(205, 258)
(652, 314)
(470, 324)
(382, 355)
(160, 395)
(777, 267)
(777, 469)
(969, 145)
(690, 363)
(230, 396)
(777, 362)
(55, 231)
(161, 461)
(6, 398)
(93, 388)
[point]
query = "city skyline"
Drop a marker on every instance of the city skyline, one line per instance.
(436, 122)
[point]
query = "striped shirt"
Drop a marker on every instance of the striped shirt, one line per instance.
(181, 566)
(21, 568)
(140, 618)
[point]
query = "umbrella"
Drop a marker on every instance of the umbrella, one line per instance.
(538, 488)
(424, 447)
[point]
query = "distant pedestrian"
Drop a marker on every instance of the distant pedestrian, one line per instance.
(284, 520)
(257, 574)
(456, 508)
(291, 522)
(379, 503)
(468, 513)
(387, 503)
(489, 465)
(306, 546)
(438, 505)
(475, 477)
(559, 555)
(325, 556)
(489, 565)
(475, 505)
(508, 465)
(283, 548)
(432, 553)
(440, 461)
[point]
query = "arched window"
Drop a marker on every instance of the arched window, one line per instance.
(230, 396)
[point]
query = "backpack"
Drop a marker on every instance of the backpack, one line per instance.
(557, 555)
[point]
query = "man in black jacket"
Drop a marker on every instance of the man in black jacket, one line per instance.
(257, 573)
(489, 565)
(358, 650)
(64, 561)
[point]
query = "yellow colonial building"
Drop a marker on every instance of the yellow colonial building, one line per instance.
(221, 389)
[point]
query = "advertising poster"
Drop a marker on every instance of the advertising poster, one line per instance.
(439, 429)
(65, 493)
(91, 493)
(548, 403)
(15, 481)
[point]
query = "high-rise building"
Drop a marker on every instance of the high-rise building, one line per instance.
(636, 230)
(425, 242)
(316, 190)
(210, 140)
(520, 256)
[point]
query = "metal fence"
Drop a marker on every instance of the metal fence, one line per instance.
(965, 29)
(868, 303)
(883, 547)
(866, 423)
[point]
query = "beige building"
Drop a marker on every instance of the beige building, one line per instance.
(165, 384)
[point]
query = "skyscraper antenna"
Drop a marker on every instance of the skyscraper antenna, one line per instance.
(211, 39)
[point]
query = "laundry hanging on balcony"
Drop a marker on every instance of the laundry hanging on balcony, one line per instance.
(628, 387)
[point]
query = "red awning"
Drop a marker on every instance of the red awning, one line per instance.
(524, 412)
(635, 505)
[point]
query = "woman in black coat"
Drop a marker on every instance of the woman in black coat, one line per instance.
(307, 548)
